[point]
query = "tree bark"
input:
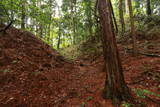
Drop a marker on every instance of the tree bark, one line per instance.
(132, 28)
(115, 86)
(121, 17)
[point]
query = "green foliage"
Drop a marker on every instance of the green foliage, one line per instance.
(71, 52)
(126, 104)
(149, 26)
(142, 92)
(65, 24)
(87, 48)
(148, 22)
(152, 21)
(69, 23)
(139, 93)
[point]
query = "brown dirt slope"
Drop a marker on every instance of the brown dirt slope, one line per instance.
(29, 70)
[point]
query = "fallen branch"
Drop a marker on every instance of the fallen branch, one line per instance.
(136, 82)
(145, 54)
(4, 29)
(151, 55)
(154, 101)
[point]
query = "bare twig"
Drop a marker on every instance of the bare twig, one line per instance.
(4, 29)
(150, 55)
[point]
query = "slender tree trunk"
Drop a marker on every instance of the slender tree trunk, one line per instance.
(50, 18)
(73, 12)
(115, 86)
(148, 7)
(90, 18)
(113, 16)
(59, 30)
(126, 6)
(12, 12)
(59, 38)
(133, 33)
(49, 33)
(23, 15)
(88, 12)
(40, 31)
(121, 17)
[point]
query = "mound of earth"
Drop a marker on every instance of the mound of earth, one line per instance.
(29, 69)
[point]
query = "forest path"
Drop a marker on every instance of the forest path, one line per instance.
(84, 87)
(86, 84)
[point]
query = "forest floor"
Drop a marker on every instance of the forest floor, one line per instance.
(34, 75)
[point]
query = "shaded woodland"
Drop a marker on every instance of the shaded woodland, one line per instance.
(80, 53)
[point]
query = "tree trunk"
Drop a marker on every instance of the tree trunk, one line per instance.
(40, 31)
(50, 19)
(121, 17)
(59, 29)
(23, 15)
(59, 38)
(132, 28)
(113, 16)
(12, 12)
(88, 12)
(73, 15)
(115, 86)
(126, 6)
(148, 7)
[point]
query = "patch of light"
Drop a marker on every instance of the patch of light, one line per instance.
(58, 9)
(59, 2)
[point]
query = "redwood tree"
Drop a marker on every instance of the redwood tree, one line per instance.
(115, 86)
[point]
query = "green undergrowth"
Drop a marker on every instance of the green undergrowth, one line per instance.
(140, 93)
(126, 104)
(143, 92)
(70, 52)
(147, 28)
(150, 26)
(85, 49)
